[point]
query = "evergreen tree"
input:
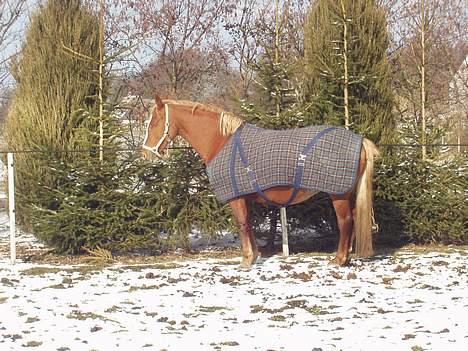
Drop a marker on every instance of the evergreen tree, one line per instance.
(52, 87)
(277, 102)
(124, 203)
(277, 99)
(348, 72)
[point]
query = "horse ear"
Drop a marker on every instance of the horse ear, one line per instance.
(158, 102)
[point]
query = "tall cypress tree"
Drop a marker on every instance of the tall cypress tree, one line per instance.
(52, 87)
(348, 72)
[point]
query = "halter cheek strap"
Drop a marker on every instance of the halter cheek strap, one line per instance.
(155, 149)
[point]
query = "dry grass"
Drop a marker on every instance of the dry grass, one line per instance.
(224, 256)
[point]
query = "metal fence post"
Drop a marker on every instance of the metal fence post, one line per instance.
(284, 230)
(11, 206)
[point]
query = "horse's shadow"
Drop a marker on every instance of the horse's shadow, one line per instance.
(320, 236)
(384, 246)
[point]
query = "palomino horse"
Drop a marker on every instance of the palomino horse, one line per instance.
(208, 129)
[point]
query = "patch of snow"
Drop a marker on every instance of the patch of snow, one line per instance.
(297, 303)
(23, 239)
(198, 241)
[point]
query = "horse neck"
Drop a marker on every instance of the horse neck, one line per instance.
(201, 130)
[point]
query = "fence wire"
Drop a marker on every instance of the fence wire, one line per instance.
(137, 149)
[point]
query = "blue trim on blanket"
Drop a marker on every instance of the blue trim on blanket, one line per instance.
(301, 162)
(238, 148)
(232, 169)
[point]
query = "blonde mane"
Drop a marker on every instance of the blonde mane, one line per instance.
(228, 122)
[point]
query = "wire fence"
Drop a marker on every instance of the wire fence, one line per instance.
(138, 149)
(86, 150)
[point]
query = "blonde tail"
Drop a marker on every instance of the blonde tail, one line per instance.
(364, 207)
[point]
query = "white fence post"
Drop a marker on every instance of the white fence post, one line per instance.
(11, 206)
(284, 230)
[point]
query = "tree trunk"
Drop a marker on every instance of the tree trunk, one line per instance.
(101, 81)
(423, 79)
(345, 65)
(277, 44)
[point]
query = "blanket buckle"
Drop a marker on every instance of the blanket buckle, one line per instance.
(301, 160)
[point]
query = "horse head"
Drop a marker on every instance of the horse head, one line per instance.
(160, 131)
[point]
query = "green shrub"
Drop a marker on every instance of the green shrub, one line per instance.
(422, 201)
(127, 204)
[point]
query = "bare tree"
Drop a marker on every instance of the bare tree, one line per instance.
(243, 47)
(458, 95)
(175, 31)
(155, 75)
(10, 12)
(427, 33)
(260, 31)
(344, 54)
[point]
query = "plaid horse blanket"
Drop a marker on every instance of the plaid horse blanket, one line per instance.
(317, 158)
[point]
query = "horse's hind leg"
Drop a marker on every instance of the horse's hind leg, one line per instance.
(344, 216)
(248, 243)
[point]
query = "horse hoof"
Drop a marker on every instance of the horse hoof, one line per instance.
(248, 262)
(245, 265)
(339, 262)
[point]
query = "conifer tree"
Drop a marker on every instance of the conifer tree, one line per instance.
(348, 72)
(277, 102)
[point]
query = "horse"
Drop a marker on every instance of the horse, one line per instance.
(208, 129)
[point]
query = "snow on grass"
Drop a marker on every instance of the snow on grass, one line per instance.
(24, 241)
(408, 301)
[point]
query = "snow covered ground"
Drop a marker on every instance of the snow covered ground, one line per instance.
(405, 301)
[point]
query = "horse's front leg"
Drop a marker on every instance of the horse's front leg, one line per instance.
(344, 216)
(248, 243)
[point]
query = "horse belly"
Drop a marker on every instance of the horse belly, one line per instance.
(282, 194)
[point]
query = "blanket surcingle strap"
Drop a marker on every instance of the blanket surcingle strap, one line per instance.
(318, 158)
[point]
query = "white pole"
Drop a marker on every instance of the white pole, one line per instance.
(11, 206)
(284, 230)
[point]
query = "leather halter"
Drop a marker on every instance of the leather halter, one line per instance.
(155, 149)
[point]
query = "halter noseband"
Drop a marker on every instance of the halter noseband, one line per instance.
(155, 149)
